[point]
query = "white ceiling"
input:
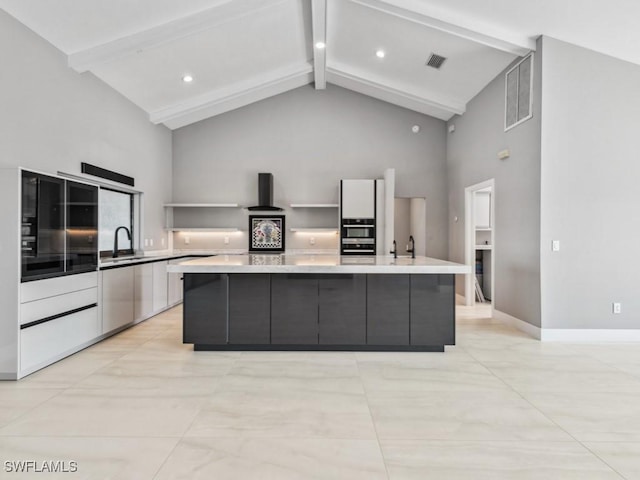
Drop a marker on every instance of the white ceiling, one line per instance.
(241, 51)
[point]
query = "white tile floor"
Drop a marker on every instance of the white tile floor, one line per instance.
(500, 405)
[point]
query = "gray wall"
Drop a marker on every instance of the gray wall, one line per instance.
(309, 140)
(402, 223)
(590, 202)
(53, 118)
(472, 158)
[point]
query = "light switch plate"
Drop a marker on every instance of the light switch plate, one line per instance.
(555, 245)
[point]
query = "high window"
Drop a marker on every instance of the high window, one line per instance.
(116, 210)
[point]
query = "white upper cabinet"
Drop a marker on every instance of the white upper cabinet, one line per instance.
(358, 199)
(483, 210)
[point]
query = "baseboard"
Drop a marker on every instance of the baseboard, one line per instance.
(521, 325)
(57, 358)
(569, 335)
(590, 335)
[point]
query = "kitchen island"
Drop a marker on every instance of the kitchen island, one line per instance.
(319, 302)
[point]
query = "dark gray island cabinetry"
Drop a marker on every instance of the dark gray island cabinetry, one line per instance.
(319, 303)
(249, 314)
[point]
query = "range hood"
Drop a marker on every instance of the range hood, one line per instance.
(265, 194)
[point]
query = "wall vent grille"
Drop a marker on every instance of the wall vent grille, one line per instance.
(435, 61)
(518, 93)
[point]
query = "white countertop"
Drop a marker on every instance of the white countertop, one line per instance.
(306, 263)
(126, 260)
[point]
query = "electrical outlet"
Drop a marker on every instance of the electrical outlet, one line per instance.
(617, 307)
(146, 242)
(555, 245)
(151, 242)
(187, 240)
(226, 240)
(312, 240)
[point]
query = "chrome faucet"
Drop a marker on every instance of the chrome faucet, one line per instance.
(394, 252)
(115, 239)
(411, 250)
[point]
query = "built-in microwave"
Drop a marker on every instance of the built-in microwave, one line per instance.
(358, 236)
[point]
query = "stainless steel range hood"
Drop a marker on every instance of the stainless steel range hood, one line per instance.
(265, 194)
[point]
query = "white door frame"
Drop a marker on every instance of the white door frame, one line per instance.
(470, 239)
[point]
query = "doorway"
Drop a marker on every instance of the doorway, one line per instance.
(480, 247)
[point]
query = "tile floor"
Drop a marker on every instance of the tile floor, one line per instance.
(499, 405)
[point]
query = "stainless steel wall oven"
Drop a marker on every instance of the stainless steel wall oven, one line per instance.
(358, 236)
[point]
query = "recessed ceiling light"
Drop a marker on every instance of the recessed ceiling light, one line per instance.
(320, 45)
(380, 53)
(187, 79)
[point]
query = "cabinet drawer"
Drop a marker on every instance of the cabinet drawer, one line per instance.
(48, 307)
(51, 287)
(45, 343)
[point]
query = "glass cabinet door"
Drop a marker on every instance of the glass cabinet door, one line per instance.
(82, 227)
(43, 235)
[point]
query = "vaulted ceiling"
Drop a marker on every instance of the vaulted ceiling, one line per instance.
(242, 51)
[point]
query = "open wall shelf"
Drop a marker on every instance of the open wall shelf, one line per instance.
(314, 205)
(315, 229)
(203, 229)
(184, 207)
(202, 205)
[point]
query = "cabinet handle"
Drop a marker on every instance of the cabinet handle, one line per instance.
(56, 316)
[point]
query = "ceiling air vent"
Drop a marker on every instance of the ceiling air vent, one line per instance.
(435, 61)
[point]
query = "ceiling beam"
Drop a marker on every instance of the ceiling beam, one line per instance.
(432, 104)
(319, 21)
(223, 12)
(229, 98)
(514, 44)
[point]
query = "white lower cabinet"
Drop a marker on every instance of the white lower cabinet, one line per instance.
(134, 293)
(175, 290)
(58, 316)
(117, 298)
(175, 285)
(160, 285)
(143, 291)
(57, 305)
(45, 343)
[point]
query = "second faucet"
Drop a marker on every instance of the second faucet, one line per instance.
(411, 250)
